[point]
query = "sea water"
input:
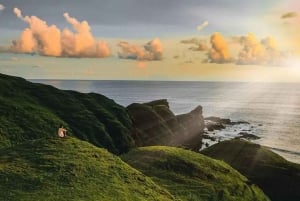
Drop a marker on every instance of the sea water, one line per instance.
(275, 107)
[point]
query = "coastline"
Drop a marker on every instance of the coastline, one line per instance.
(257, 103)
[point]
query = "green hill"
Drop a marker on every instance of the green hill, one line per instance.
(191, 176)
(277, 177)
(70, 169)
(32, 111)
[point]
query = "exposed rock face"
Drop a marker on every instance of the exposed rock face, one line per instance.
(156, 124)
(193, 123)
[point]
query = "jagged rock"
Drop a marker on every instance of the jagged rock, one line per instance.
(211, 126)
(218, 120)
(209, 137)
(193, 123)
(239, 122)
(247, 136)
(156, 124)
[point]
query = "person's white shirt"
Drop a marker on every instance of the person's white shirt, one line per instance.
(61, 132)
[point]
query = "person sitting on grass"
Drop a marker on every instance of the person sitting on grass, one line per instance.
(62, 132)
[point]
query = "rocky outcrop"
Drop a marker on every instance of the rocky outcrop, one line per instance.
(155, 124)
(217, 123)
(248, 136)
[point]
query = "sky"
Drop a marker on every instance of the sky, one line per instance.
(205, 40)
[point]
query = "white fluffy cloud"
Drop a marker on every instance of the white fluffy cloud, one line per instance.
(259, 52)
(49, 40)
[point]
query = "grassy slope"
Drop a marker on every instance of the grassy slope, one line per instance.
(278, 178)
(191, 176)
(70, 169)
(32, 111)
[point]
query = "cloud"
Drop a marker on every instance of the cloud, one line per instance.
(153, 50)
(259, 52)
(253, 51)
(289, 15)
(191, 41)
(2, 7)
(18, 13)
(200, 45)
(49, 40)
(219, 51)
(202, 26)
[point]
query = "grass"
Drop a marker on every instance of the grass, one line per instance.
(277, 177)
(32, 111)
(70, 169)
(191, 176)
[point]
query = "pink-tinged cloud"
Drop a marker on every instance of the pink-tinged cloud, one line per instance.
(49, 40)
(153, 50)
(219, 52)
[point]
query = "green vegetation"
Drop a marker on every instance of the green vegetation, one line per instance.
(36, 165)
(32, 111)
(277, 177)
(70, 169)
(191, 176)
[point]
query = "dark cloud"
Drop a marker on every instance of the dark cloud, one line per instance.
(194, 41)
(118, 13)
(199, 45)
(289, 15)
(153, 50)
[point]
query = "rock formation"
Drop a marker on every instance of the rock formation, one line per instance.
(156, 124)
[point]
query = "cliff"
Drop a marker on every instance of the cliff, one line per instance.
(156, 124)
(31, 111)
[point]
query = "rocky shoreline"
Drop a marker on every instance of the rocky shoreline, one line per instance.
(218, 129)
(155, 124)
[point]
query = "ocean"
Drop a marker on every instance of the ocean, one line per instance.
(273, 109)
